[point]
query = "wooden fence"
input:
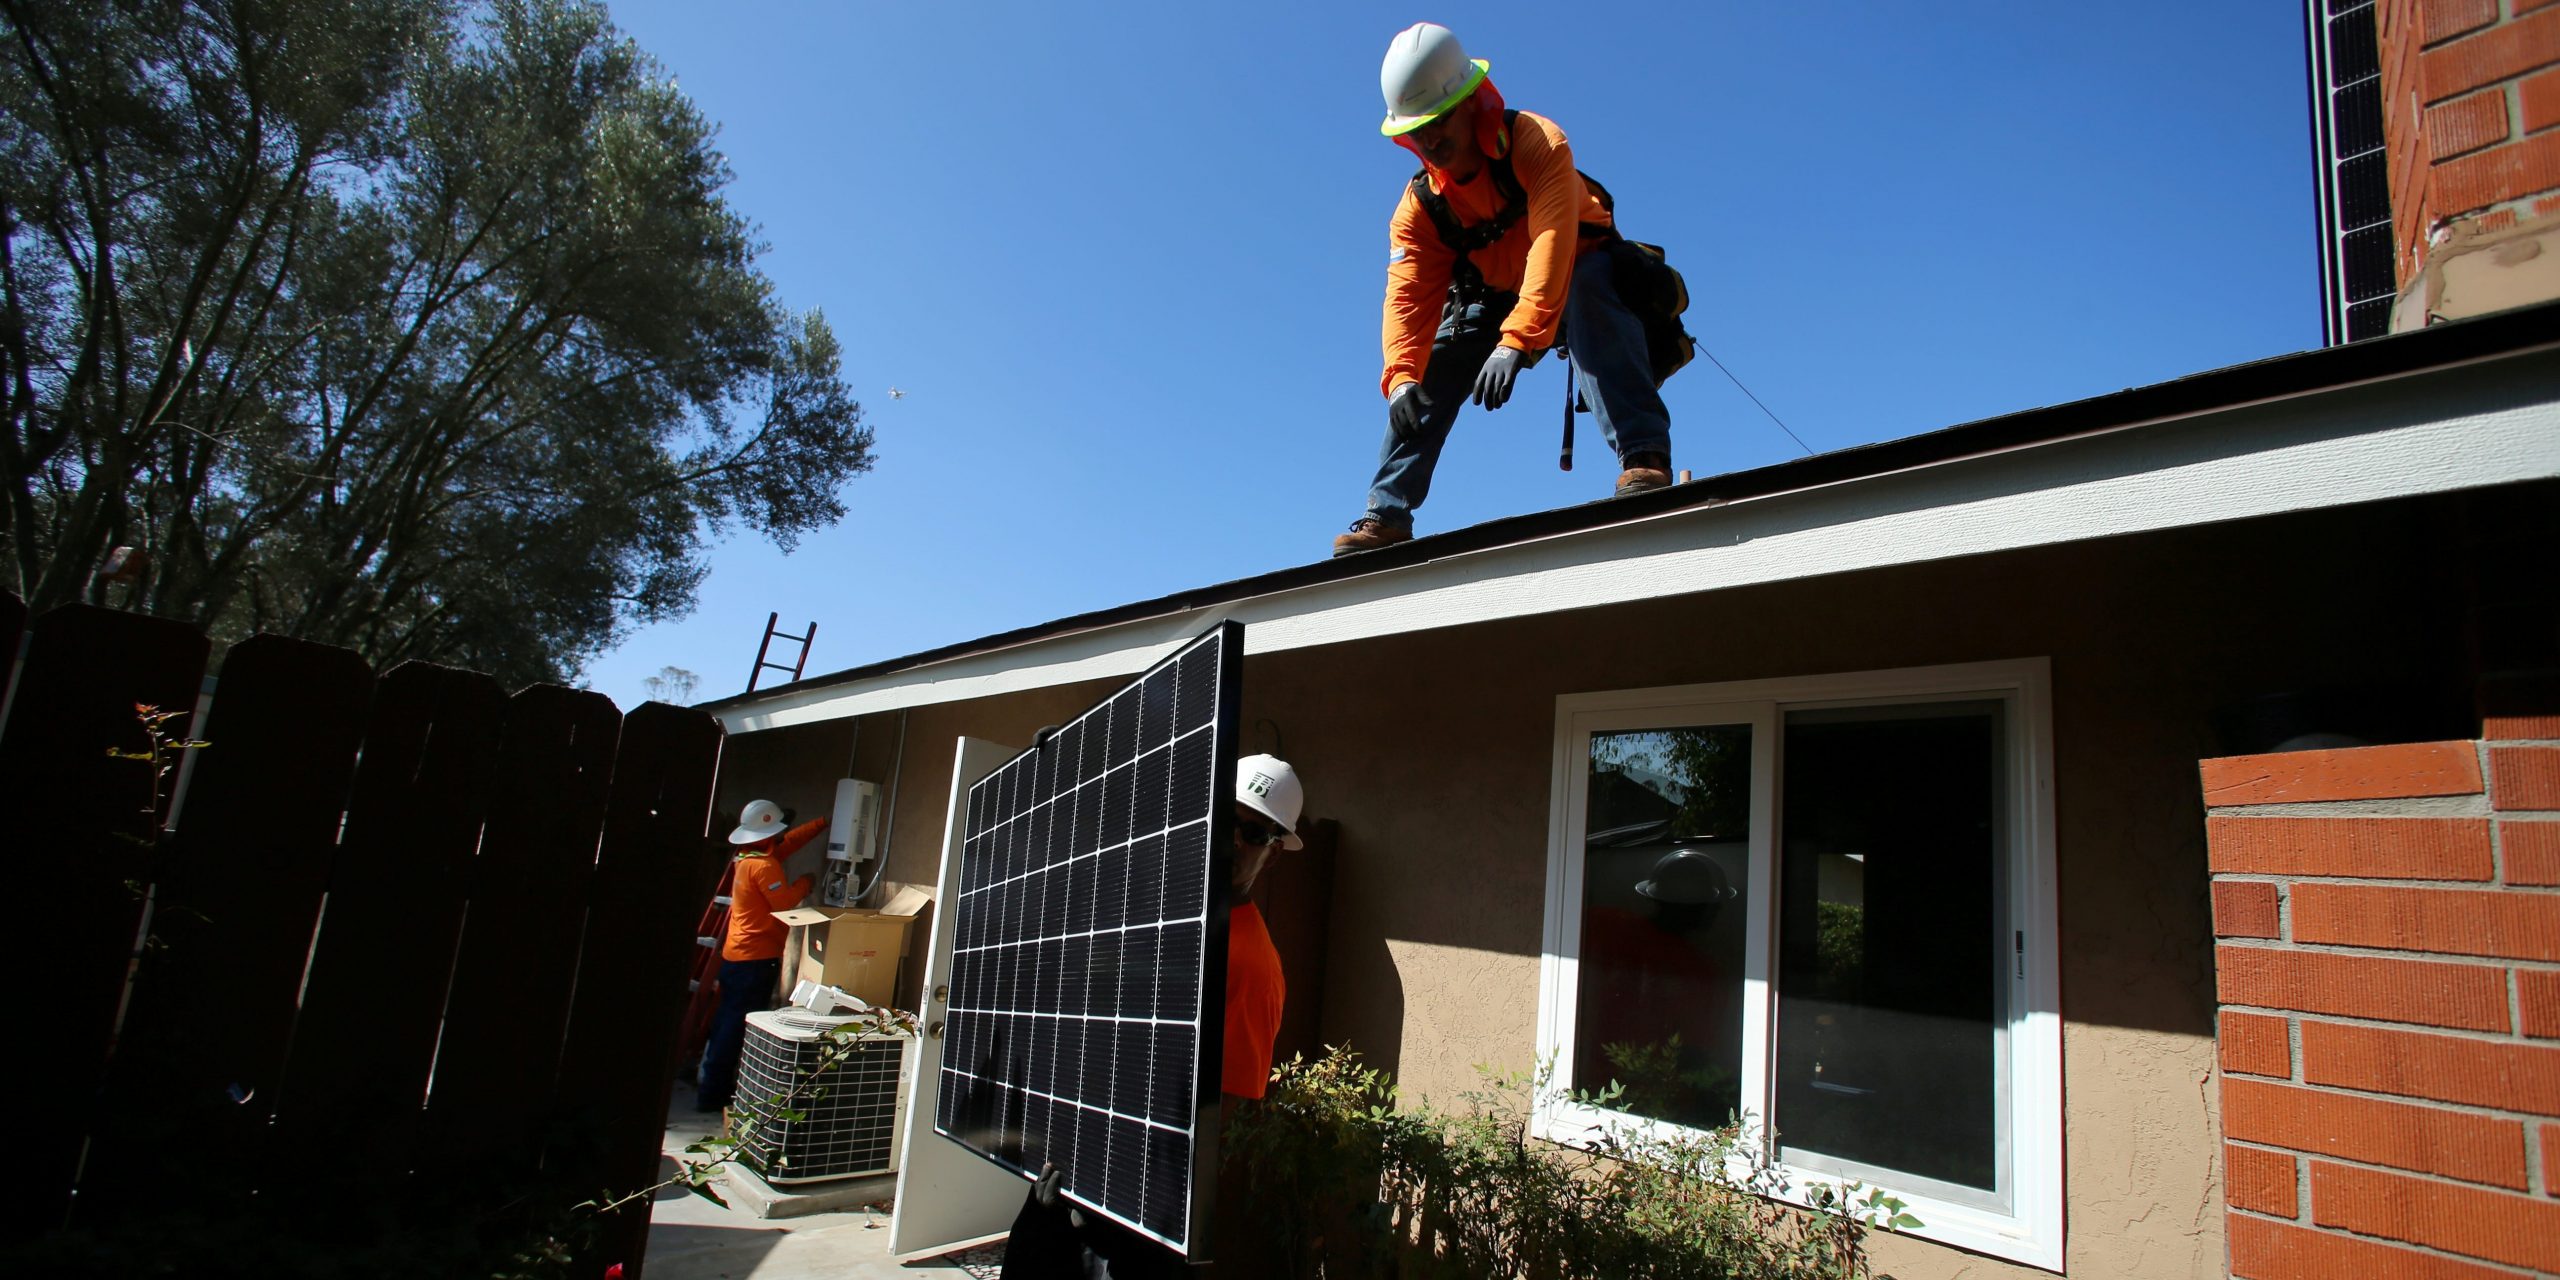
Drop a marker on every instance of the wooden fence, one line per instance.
(399, 981)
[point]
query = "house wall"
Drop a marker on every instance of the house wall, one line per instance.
(2471, 92)
(1434, 751)
(2390, 985)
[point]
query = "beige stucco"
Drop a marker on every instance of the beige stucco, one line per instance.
(1433, 750)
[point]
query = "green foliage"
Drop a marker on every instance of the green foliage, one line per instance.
(407, 325)
(1654, 1083)
(1839, 948)
(160, 754)
(1347, 1183)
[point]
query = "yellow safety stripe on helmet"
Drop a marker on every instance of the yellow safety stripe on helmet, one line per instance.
(1390, 128)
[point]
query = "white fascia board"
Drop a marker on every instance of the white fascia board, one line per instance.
(2396, 439)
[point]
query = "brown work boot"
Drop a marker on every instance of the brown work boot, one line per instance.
(1644, 471)
(1369, 534)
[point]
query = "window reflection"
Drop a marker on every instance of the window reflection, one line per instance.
(1889, 1000)
(1666, 862)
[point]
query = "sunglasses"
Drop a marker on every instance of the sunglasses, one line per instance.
(1256, 834)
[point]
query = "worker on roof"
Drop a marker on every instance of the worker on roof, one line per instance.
(1497, 250)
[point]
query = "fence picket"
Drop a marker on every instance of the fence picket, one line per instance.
(655, 865)
(355, 1079)
(519, 956)
(66, 804)
(203, 1044)
(13, 624)
(406, 935)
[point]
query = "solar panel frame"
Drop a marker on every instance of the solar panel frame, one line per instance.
(1140, 784)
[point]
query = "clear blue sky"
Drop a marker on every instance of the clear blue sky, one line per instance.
(1126, 261)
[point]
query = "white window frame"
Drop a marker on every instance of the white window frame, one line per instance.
(2030, 1231)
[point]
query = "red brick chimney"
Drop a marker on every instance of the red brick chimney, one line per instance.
(2471, 122)
(2388, 965)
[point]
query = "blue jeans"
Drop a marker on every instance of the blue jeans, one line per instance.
(745, 987)
(1611, 372)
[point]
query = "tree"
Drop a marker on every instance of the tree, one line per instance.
(388, 324)
(671, 684)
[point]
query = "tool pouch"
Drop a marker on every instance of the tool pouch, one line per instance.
(1653, 290)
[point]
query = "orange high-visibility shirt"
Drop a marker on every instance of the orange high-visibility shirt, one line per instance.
(760, 888)
(1255, 993)
(1534, 259)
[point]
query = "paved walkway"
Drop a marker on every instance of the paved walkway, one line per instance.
(691, 1238)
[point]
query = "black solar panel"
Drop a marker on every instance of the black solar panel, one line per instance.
(1090, 950)
(2358, 275)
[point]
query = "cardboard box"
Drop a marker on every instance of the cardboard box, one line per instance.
(856, 948)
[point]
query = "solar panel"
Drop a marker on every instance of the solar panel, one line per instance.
(2357, 258)
(1088, 970)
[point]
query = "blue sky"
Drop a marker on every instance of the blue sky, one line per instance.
(1126, 261)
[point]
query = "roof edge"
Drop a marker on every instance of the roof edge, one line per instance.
(2515, 332)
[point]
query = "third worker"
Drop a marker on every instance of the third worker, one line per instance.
(1499, 250)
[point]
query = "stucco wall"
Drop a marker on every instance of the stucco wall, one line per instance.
(1433, 751)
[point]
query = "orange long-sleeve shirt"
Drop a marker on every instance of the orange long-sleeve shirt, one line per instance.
(1534, 259)
(1256, 992)
(761, 888)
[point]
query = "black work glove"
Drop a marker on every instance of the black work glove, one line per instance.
(1405, 409)
(1493, 382)
(1045, 1191)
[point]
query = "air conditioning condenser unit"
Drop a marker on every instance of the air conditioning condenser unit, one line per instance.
(848, 1107)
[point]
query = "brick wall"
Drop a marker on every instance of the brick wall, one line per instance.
(2471, 98)
(2388, 966)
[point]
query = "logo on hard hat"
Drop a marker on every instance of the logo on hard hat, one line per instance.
(1259, 784)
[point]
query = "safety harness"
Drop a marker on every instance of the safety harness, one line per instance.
(1464, 277)
(1650, 285)
(1646, 280)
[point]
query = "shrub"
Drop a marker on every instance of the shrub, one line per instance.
(1346, 1184)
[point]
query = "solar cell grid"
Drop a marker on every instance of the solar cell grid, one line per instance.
(1090, 954)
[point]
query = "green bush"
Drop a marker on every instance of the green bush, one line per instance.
(1347, 1185)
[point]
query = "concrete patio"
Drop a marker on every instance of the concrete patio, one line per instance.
(690, 1238)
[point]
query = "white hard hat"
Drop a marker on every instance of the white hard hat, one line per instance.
(760, 820)
(1268, 786)
(1688, 877)
(1425, 74)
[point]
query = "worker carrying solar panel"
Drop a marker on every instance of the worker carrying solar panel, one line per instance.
(1050, 1239)
(1499, 250)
